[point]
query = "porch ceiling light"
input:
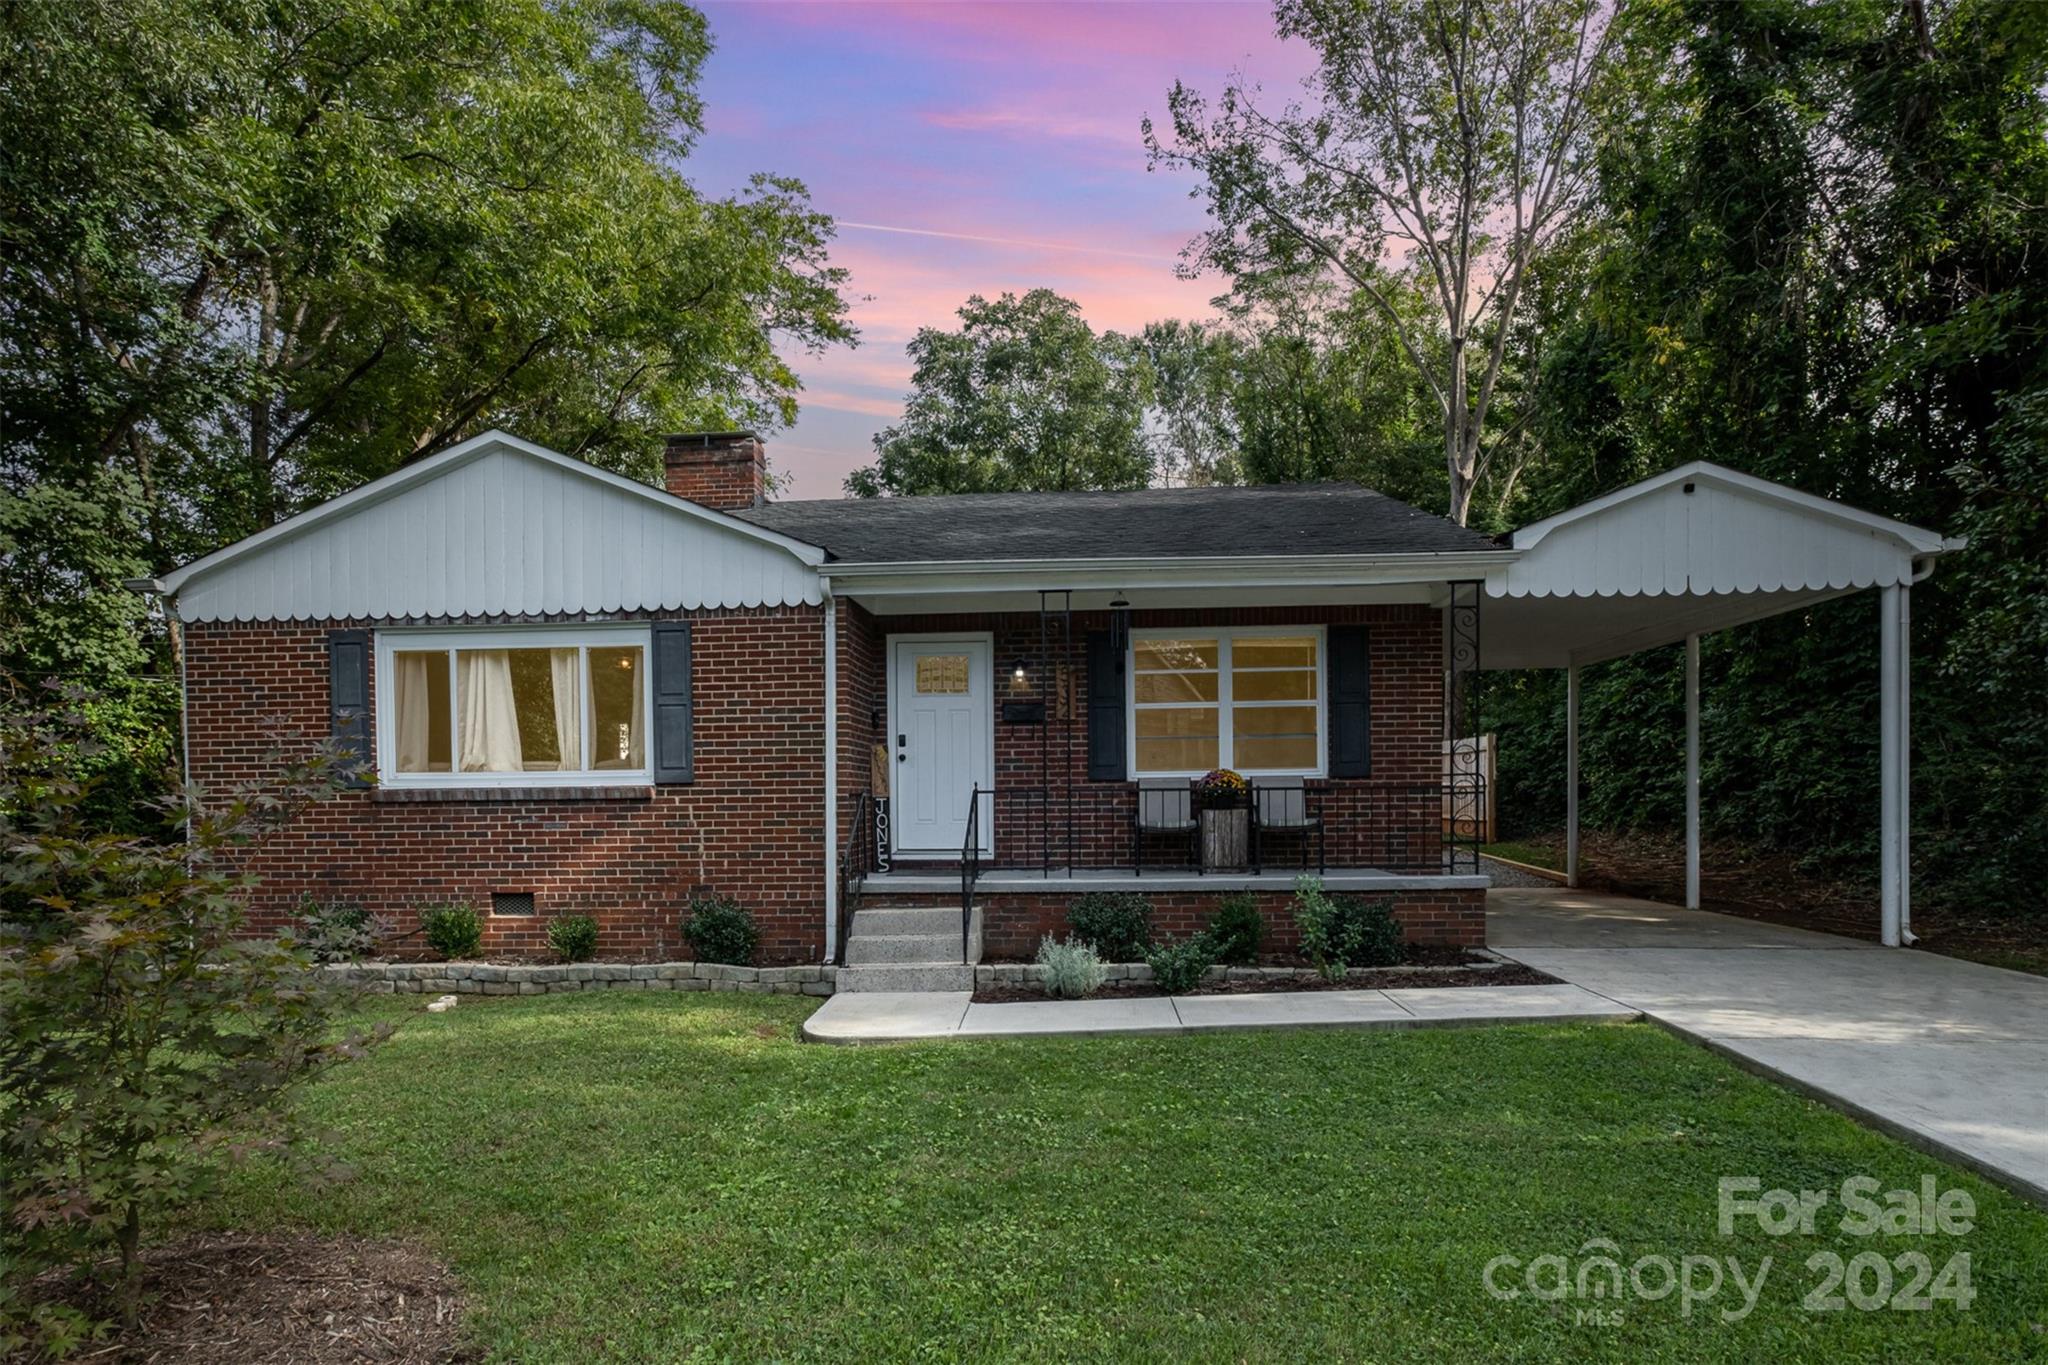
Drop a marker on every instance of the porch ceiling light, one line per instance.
(1119, 627)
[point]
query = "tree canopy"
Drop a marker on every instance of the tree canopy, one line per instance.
(1454, 135)
(254, 255)
(1820, 262)
(1024, 395)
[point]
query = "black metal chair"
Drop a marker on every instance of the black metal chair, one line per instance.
(1286, 806)
(1164, 806)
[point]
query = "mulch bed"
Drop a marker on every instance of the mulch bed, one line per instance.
(242, 1299)
(1381, 979)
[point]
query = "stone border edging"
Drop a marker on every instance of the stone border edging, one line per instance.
(483, 978)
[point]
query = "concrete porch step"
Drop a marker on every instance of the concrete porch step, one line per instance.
(907, 976)
(911, 919)
(863, 950)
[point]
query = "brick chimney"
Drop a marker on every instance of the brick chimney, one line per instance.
(722, 470)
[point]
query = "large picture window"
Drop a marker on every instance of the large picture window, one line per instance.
(1246, 699)
(542, 707)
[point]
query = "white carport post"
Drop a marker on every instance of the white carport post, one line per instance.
(1571, 775)
(1894, 762)
(1692, 772)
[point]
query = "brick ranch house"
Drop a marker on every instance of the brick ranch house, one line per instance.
(577, 693)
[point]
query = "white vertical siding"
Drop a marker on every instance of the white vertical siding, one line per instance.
(506, 533)
(1715, 539)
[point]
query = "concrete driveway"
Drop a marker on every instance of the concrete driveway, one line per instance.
(1949, 1055)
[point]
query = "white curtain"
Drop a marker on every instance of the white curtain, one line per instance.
(563, 663)
(636, 749)
(415, 712)
(490, 717)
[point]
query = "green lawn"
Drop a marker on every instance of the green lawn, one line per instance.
(662, 1177)
(1535, 855)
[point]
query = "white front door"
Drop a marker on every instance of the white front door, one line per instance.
(941, 733)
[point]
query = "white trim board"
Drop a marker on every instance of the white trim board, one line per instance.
(1225, 701)
(385, 697)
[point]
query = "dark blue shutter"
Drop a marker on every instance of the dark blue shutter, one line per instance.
(348, 699)
(1350, 701)
(1105, 709)
(675, 759)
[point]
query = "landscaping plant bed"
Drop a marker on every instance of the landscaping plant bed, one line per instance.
(238, 1299)
(1480, 972)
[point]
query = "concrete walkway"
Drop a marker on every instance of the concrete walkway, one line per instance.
(894, 1016)
(1949, 1055)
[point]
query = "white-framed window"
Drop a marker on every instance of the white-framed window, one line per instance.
(521, 707)
(1251, 698)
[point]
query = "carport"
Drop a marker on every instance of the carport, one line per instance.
(1691, 551)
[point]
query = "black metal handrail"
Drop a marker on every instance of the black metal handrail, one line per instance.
(856, 860)
(1405, 827)
(970, 864)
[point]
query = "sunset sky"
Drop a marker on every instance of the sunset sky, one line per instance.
(968, 148)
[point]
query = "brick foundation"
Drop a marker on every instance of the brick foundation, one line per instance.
(1014, 921)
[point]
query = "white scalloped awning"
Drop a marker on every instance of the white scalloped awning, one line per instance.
(497, 526)
(1694, 550)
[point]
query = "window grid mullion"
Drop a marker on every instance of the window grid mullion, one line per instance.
(454, 717)
(1226, 727)
(587, 690)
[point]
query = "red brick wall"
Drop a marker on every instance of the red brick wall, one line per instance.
(863, 711)
(724, 472)
(751, 826)
(1391, 819)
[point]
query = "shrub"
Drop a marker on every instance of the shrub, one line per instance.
(574, 937)
(1178, 968)
(721, 930)
(453, 931)
(1237, 930)
(1341, 932)
(338, 931)
(146, 1041)
(1378, 932)
(1072, 969)
(1116, 923)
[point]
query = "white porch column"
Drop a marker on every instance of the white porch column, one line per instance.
(1571, 775)
(1906, 763)
(1692, 772)
(1893, 763)
(831, 774)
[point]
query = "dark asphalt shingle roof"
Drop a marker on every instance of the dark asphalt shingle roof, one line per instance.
(1277, 519)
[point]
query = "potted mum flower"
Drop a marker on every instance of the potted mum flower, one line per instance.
(1224, 799)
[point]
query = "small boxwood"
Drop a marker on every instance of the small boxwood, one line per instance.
(721, 930)
(574, 937)
(1237, 930)
(453, 931)
(1178, 967)
(1118, 924)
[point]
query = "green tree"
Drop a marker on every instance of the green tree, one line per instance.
(1819, 263)
(1024, 396)
(253, 255)
(145, 1041)
(1456, 133)
(1194, 436)
(1322, 388)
